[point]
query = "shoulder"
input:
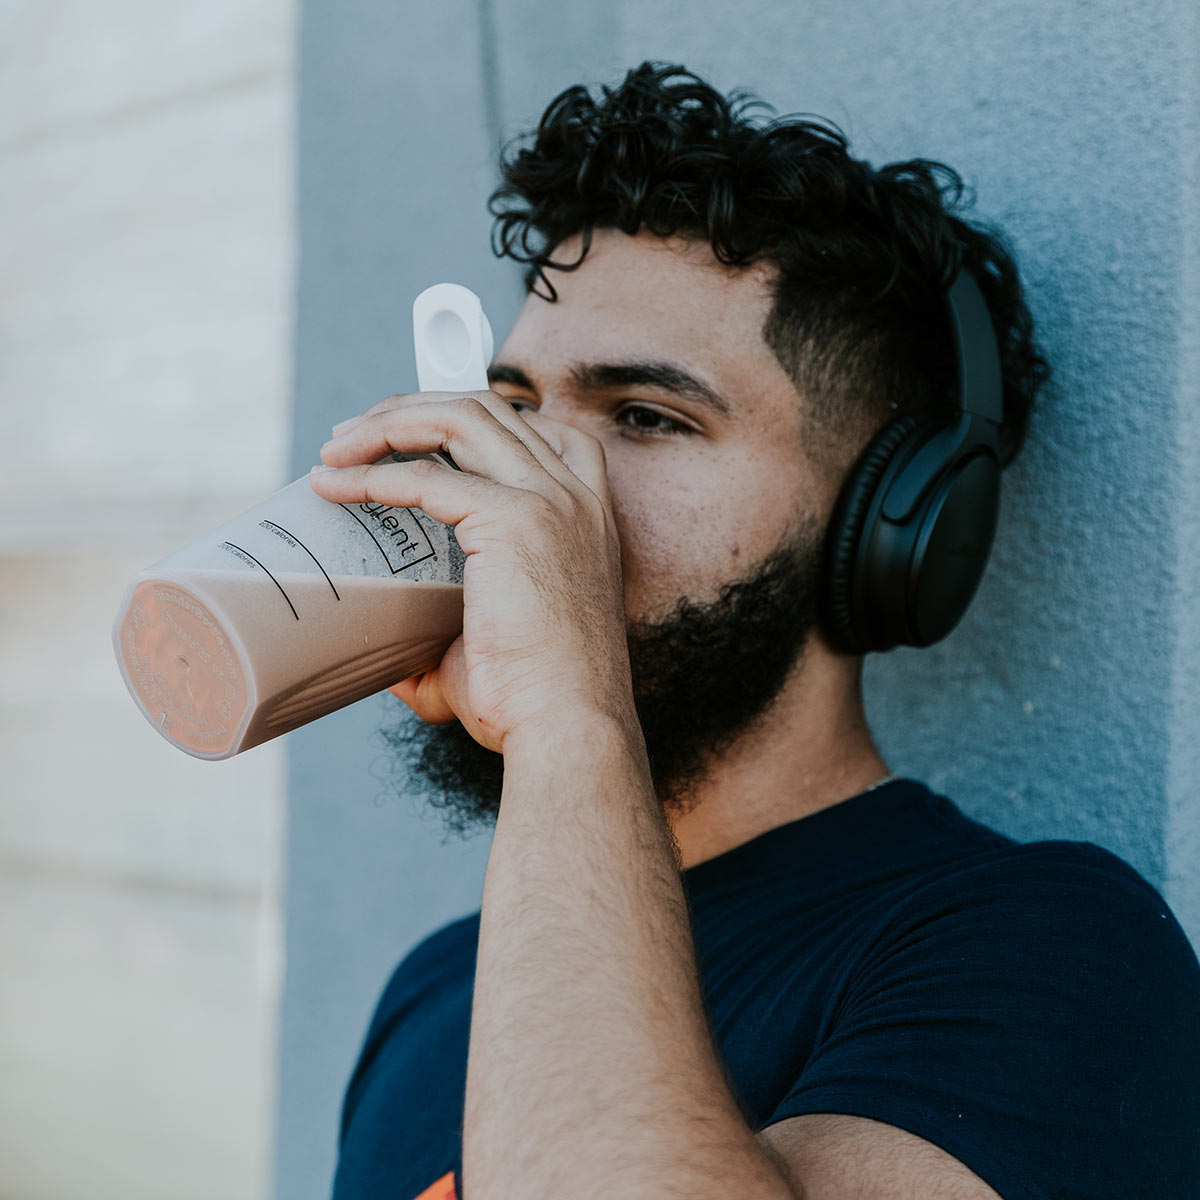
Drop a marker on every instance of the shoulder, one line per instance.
(1039, 897)
(1035, 1011)
(988, 872)
(428, 975)
(445, 956)
(454, 940)
(1065, 952)
(446, 947)
(1076, 885)
(1050, 948)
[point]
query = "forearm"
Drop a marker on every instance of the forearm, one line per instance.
(591, 1069)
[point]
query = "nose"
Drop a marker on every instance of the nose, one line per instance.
(559, 409)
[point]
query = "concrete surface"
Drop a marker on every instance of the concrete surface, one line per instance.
(146, 249)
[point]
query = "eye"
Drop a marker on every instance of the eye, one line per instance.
(521, 403)
(640, 419)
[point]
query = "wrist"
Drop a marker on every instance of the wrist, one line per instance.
(583, 695)
(572, 734)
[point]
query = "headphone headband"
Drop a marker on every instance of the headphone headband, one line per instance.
(977, 357)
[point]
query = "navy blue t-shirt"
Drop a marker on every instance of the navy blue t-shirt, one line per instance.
(1032, 1009)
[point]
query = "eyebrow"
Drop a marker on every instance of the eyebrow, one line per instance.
(599, 377)
(506, 373)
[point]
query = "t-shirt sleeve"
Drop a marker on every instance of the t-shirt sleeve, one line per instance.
(1039, 1019)
(434, 959)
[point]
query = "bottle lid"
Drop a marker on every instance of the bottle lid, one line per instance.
(452, 339)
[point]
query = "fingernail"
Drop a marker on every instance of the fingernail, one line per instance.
(319, 468)
(342, 426)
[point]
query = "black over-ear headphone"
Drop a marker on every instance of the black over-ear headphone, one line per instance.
(914, 521)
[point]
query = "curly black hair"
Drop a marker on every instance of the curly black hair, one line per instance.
(863, 256)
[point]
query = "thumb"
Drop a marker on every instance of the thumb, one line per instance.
(425, 696)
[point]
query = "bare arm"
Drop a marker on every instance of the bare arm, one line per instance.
(591, 1070)
(832, 1157)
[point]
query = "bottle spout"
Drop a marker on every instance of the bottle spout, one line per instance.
(452, 339)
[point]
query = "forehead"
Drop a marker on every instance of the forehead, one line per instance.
(651, 298)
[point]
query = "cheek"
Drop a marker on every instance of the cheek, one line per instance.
(683, 537)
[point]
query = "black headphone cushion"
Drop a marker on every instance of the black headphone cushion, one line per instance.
(846, 526)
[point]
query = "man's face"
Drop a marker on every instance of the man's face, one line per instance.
(656, 350)
(706, 480)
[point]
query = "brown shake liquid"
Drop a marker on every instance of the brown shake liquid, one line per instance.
(222, 660)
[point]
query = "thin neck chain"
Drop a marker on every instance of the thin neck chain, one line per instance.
(881, 783)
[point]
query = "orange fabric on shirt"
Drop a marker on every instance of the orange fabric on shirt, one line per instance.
(443, 1189)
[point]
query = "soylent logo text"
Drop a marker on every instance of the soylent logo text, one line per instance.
(396, 531)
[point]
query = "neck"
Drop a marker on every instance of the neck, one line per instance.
(809, 751)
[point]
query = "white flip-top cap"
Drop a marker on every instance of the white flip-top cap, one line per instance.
(452, 339)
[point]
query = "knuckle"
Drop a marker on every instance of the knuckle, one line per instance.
(470, 407)
(421, 468)
(495, 403)
(387, 405)
(537, 507)
(595, 447)
(591, 507)
(578, 441)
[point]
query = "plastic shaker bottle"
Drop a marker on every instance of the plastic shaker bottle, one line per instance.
(300, 606)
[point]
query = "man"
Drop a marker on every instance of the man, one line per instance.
(723, 952)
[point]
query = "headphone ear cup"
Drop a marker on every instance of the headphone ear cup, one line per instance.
(844, 535)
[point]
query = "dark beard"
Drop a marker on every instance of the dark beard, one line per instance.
(702, 677)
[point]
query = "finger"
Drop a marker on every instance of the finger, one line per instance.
(483, 434)
(446, 495)
(407, 400)
(383, 406)
(458, 425)
(502, 410)
(581, 452)
(425, 699)
(439, 697)
(389, 404)
(505, 411)
(500, 407)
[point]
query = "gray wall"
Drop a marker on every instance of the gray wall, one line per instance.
(146, 241)
(1065, 704)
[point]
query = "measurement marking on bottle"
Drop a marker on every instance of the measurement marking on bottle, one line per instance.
(289, 533)
(247, 554)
